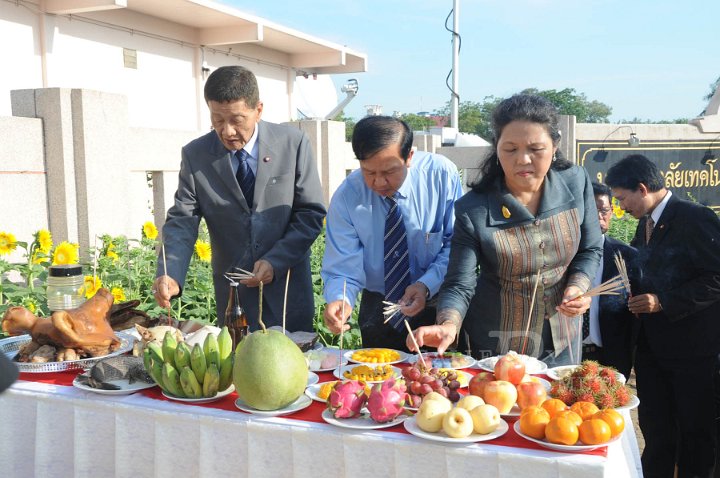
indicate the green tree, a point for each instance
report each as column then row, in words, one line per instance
column 713, row 87
column 569, row 102
column 349, row 124
column 417, row 122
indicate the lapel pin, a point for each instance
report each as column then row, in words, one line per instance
column 266, row 159
column 506, row 212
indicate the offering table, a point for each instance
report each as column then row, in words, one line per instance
column 48, row 430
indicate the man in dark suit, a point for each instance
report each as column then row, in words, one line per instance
column 257, row 186
column 678, row 301
column 610, row 325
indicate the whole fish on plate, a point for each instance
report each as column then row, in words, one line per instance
column 122, row 367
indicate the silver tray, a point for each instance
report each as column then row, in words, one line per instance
column 11, row 345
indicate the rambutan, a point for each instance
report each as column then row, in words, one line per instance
column 609, row 376
column 584, row 395
column 595, row 384
column 588, row 368
column 605, row 399
column 622, row 395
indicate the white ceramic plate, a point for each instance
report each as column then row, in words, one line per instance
column 218, row 396
column 558, row 373
column 313, row 378
column 348, row 356
column 544, row 383
column 363, row 422
column 336, row 373
column 514, row 412
column 126, row 387
column 532, row 365
column 633, row 403
column 322, row 352
column 412, row 427
column 303, row 401
column 557, row 447
column 313, row 390
column 462, row 361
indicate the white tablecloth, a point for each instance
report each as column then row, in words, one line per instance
column 58, row 431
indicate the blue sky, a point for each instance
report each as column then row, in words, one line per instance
column 651, row 59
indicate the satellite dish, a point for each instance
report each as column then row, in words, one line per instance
column 315, row 96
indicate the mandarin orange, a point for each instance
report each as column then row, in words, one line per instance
column 533, row 421
column 554, row 405
column 585, row 409
column 613, row 418
column 562, row 431
column 594, row 431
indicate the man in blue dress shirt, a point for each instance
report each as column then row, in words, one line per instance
column 424, row 186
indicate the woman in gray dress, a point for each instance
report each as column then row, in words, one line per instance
column 530, row 219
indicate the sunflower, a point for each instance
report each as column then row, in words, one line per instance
column 110, row 252
column 118, row 293
column 617, row 210
column 203, row 251
column 43, row 238
column 30, row 305
column 149, row 230
column 7, row 243
column 91, row 286
column 65, row 253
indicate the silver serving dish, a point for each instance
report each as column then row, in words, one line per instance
column 11, row 345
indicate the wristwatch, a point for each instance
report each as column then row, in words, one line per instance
column 427, row 289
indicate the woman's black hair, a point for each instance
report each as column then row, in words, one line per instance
column 532, row 108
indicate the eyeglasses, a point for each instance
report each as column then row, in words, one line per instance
column 604, row 211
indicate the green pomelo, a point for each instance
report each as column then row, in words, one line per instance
column 270, row 371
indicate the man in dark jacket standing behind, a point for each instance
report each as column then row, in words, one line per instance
column 678, row 300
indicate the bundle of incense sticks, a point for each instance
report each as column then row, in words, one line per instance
column 532, row 304
column 390, row 310
column 622, row 272
column 243, row 274
column 611, row 286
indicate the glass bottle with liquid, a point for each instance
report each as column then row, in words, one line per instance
column 65, row 289
column 235, row 317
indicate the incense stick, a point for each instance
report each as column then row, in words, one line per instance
column 390, row 310
column 611, row 286
column 287, row 284
column 342, row 324
column 417, row 347
column 532, row 306
column 260, row 303
column 622, row 269
column 167, row 288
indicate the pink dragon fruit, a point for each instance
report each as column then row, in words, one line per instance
column 347, row 399
column 386, row 400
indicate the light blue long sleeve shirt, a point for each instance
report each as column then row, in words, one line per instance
column 354, row 246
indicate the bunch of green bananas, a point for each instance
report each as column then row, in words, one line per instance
column 199, row 372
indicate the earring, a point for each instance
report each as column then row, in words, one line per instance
column 554, row 157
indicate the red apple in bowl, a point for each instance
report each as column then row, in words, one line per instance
column 500, row 394
column 478, row 382
column 530, row 393
column 510, row 368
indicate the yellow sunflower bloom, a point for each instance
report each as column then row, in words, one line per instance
column 65, row 253
column 7, row 243
column 44, row 240
column 31, row 307
column 91, row 286
column 203, row 251
column 110, row 252
column 150, row 231
column 118, row 293
column 617, row 210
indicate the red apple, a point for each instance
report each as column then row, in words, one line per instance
column 500, row 394
column 510, row 368
column 478, row 382
column 530, row 393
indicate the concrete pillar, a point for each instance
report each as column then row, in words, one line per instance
column 328, row 142
column 567, row 141
column 53, row 106
column 164, row 186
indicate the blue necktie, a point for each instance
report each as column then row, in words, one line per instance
column 397, row 262
column 245, row 176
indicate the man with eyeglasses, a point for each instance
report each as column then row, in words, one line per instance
column 609, row 329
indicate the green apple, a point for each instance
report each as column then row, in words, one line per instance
column 457, row 423
column 431, row 413
column 485, row 418
column 468, row 402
